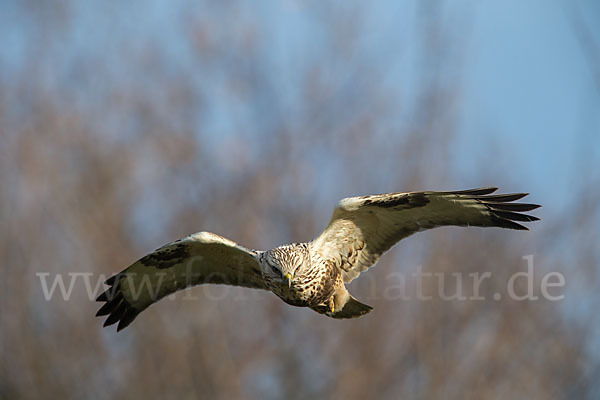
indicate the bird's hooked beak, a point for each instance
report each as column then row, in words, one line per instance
column 289, row 277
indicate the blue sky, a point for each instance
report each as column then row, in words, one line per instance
column 527, row 89
column 531, row 81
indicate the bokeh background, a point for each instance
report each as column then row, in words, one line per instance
column 126, row 125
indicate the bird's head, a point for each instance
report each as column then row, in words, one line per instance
column 283, row 263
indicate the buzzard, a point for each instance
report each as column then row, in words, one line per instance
column 310, row 274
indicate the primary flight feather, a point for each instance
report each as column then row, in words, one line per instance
column 310, row 274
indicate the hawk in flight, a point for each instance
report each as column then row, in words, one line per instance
column 310, row 274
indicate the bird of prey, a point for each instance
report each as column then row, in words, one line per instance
column 310, row 274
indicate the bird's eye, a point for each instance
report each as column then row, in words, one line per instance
column 275, row 269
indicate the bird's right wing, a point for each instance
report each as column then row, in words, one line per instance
column 199, row 258
column 363, row 228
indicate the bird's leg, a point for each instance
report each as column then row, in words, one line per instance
column 331, row 305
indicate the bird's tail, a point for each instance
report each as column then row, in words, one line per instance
column 351, row 309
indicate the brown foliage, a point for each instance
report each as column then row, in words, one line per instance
column 98, row 169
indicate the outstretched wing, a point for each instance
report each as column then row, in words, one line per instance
column 363, row 228
column 199, row 258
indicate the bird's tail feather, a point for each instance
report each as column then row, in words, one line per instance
column 351, row 309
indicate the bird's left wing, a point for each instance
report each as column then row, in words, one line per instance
column 199, row 258
column 363, row 228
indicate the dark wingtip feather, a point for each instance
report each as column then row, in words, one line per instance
column 521, row 207
column 502, row 198
column 110, row 306
column 103, row 297
column 116, row 307
column 504, row 212
column 116, row 315
column 477, row 192
column 513, row 216
column 104, row 310
column 127, row 318
column 505, row 223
